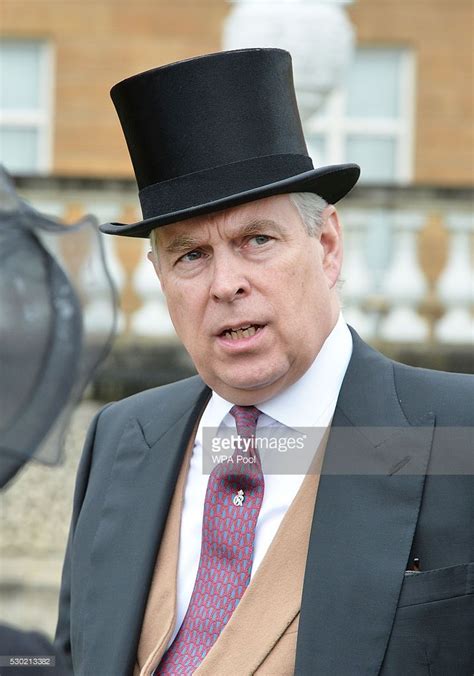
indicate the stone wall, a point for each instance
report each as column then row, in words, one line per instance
column 35, row 514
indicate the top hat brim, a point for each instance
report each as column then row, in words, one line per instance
column 332, row 183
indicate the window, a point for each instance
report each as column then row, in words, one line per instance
column 370, row 119
column 25, row 105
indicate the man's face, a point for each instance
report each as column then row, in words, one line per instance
column 251, row 294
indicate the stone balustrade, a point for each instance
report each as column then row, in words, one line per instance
column 407, row 274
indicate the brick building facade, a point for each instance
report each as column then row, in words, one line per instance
column 92, row 45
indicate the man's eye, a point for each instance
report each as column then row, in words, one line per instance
column 191, row 256
column 260, row 239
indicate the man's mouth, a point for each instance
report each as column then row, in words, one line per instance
column 246, row 331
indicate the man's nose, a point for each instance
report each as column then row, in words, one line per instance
column 228, row 279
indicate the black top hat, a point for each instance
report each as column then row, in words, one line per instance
column 217, row 131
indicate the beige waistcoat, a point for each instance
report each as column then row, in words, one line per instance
column 260, row 637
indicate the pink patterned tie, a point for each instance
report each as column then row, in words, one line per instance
column 233, row 499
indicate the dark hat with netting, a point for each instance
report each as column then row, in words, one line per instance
column 52, row 335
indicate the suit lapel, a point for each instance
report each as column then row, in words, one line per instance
column 144, row 474
column 363, row 524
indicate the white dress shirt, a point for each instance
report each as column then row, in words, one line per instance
column 309, row 402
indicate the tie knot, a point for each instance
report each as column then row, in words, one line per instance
column 245, row 419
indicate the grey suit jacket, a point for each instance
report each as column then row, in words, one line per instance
column 382, row 500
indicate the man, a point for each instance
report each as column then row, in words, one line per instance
column 359, row 568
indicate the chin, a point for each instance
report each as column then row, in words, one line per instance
column 241, row 382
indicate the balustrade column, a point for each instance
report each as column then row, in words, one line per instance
column 455, row 286
column 404, row 284
column 355, row 273
column 97, row 308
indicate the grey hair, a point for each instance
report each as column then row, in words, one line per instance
column 153, row 244
column 310, row 208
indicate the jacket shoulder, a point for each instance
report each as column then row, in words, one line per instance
column 448, row 395
column 170, row 401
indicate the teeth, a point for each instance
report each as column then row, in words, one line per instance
column 238, row 334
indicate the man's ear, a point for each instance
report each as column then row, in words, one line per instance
column 330, row 236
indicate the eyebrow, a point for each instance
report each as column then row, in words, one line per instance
column 182, row 243
column 259, row 225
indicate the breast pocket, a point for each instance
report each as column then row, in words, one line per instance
column 434, row 624
column 437, row 585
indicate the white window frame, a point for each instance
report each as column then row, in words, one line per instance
column 334, row 126
column 41, row 118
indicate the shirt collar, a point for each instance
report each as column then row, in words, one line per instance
column 310, row 400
